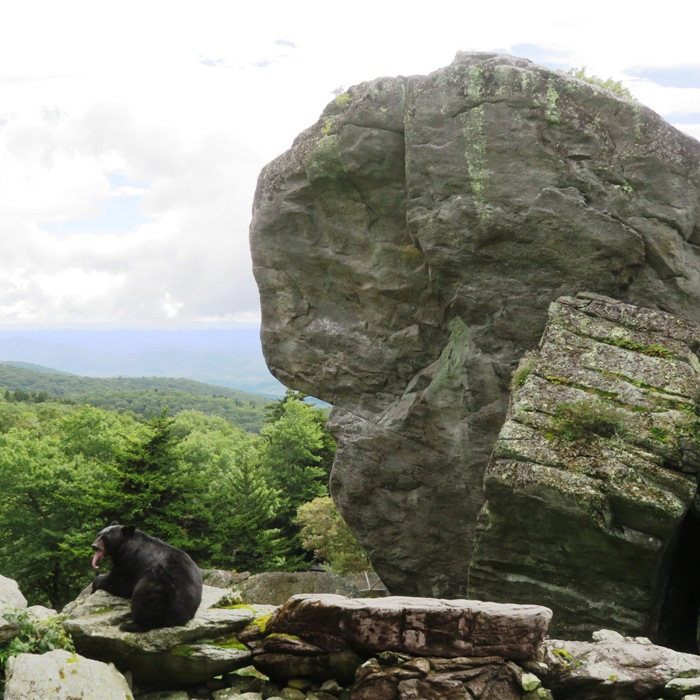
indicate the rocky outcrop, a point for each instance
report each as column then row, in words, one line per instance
column 389, row 649
column 407, row 248
column 592, row 478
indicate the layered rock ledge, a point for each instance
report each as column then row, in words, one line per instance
column 590, row 488
column 407, row 248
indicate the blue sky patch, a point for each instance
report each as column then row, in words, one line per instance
column 687, row 76
column 683, row 117
column 551, row 58
column 121, row 211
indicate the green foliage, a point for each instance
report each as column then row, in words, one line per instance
column 654, row 350
column 36, row 636
column 522, row 371
column 325, row 533
column 580, row 420
column 607, row 83
column 291, row 455
column 225, row 495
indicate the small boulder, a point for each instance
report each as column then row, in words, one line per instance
column 277, row 587
column 613, row 667
column 63, row 675
column 11, row 602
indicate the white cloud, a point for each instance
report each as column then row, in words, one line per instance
column 132, row 133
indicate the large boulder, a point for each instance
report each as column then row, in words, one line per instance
column 592, row 478
column 407, row 248
column 205, row 647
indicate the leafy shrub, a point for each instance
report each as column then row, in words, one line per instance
column 36, row 636
column 606, row 83
column 522, row 371
column 324, row 532
column 578, row 420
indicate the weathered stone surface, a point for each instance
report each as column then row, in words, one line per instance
column 275, row 588
column 406, row 249
column 64, row 676
column 404, row 678
column 682, row 687
column 614, row 667
column 203, row 648
column 11, row 602
column 218, row 578
column 416, row 626
column 589, row 524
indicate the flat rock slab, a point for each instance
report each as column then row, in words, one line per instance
column 416, row 626
column 203, row 648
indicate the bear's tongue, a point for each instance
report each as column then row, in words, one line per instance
column 98, row 555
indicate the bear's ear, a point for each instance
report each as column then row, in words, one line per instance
column 114, row 522
column 128, row 530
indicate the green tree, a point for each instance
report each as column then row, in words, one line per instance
column 325, row 533
column 242, row 505
column 48, row 516
column 290, row 457
column 246, row 538
column 156, row 495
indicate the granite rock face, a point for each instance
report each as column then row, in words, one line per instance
column 407, row 248
column 590, row 488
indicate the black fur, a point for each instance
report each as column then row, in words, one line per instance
column 164, row 584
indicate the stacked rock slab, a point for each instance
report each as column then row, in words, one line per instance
column 407, row 248
column 594, row 472
column 402, row 647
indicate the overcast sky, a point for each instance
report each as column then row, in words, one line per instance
column 132, row 133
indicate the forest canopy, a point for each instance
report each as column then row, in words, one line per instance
column 227, row 496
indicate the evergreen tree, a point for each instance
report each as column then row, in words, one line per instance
column 154, row 493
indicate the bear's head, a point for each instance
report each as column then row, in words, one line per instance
column 109, row 540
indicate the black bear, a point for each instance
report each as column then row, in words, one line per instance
column 164, row 584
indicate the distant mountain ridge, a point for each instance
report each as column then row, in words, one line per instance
column 35, row 368
column 145, row 396
column 225, row 357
